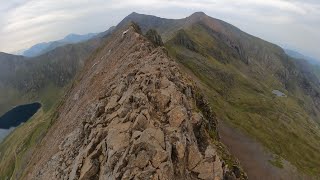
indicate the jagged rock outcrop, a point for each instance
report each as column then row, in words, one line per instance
column 183, row 40
column 154, row 37
column 132, row 115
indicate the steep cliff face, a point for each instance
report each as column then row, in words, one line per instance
column 131, row 115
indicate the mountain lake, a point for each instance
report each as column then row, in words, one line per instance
column 16, row 116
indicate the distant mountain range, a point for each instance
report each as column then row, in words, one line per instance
column 297, row 55
column 23, row 79
column 309, row 64
column 44, row 47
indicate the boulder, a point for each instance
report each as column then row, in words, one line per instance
column 140, row 123
column 142, row 159
column 113, row 102
column 177, row 116
column 204, row 170
column 163, row 99
column 194, row 157
column 89, row 169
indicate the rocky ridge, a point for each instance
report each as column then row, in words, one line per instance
column 142, row 120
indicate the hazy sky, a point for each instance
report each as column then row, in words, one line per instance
column 293, row 23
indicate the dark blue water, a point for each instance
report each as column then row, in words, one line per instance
column 18, row 115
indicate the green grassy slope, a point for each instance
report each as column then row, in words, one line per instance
column 17, row 148
column 242, row 95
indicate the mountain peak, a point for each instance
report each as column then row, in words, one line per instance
column 133, row 13
column 198, row 14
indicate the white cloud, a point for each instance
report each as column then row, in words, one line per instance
column 26, row 22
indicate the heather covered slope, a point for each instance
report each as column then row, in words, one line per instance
column 238, row 73
column 132, row 114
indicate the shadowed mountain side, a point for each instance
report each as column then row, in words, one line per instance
column 40, row 78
